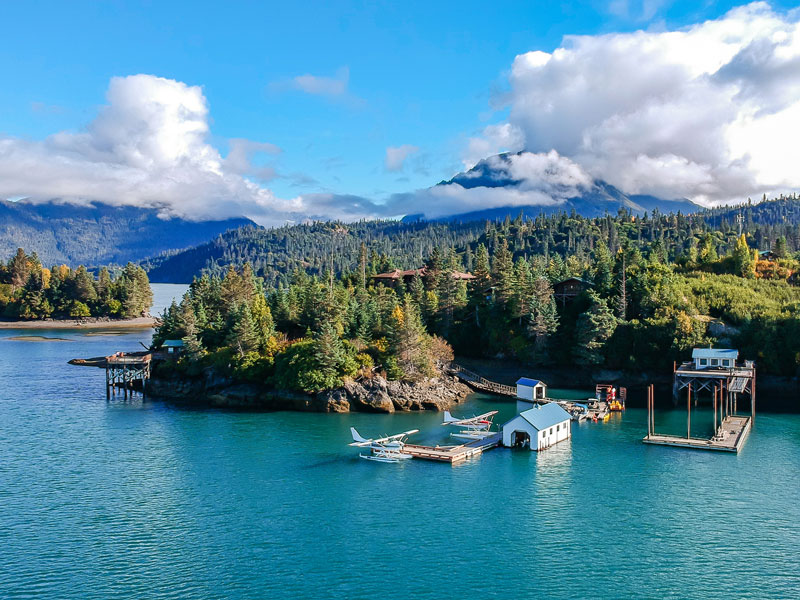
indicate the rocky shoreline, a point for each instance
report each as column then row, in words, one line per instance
column 374, row 395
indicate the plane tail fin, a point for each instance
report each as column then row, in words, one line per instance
column 356, row 436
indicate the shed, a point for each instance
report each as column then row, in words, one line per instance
column 531, row 389
column 714, row 358
column 539, row 427
column 173, row 346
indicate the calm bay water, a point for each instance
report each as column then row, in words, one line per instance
column 141, row 499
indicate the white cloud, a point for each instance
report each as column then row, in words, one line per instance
column 147, row 147
column 323, row 86
column 240, row 158
column 696, row 112
column 494, row 139
column 396, row 156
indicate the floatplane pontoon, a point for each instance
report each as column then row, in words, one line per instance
column 473, row 428
column 387, row 449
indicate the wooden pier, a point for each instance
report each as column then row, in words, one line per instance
column 482, row 384
column 127, row 370
column 729, row 435
column 453, row 454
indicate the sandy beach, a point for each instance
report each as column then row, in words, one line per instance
column 138, row 323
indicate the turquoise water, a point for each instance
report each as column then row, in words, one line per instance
column 141, row 499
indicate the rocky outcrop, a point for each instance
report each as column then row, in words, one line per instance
column 376, row 395
column 379, row 395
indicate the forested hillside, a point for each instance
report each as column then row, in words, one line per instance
column 30, row 291
column 98, row 234
column 650, row 289
column 275, row 253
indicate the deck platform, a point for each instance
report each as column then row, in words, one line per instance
column 453, row 454
column 734, row 430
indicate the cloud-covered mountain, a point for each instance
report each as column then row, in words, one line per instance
column 701, row 112
column 534, row 184
column 98, row 234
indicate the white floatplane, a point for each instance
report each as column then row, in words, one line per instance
column 473, row 428
column 386, row 449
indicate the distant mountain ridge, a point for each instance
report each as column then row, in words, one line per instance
column 602, row 198
column 99, row 234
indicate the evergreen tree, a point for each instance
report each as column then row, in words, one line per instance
column 242, row 334
column 19, row 269
column 593, row 330
column 503, row 272
column 329, row 354
column 482, row 272
column 780, row 249
column 409, row 342
column 543, row 316
column 743, row 259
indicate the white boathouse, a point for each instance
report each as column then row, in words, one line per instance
column 714, row 358
column 539, row 427
column 531, row 389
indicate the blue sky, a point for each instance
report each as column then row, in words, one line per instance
column 427, row 76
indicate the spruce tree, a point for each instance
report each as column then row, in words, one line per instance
column 593, row 330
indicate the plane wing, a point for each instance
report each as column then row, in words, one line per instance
column 358, row 440
column 450, row 420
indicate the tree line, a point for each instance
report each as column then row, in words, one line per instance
column 29, row 291
column 652, row 289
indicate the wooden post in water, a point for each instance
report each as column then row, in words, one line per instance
column 652, row 391
column 689, row 413
column 649, row 413
column 715, row 410
column 753, row 397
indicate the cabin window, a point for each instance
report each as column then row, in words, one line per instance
column 703, row 362
column 725, row 362
column 551, row 431
column 714, row 362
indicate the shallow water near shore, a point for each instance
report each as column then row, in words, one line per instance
column 142, row 499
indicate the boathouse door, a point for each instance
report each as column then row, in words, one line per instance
column 521, row 439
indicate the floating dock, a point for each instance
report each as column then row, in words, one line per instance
column 453, row 454
column 732, row 434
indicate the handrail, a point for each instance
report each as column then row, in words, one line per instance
column 481, row 382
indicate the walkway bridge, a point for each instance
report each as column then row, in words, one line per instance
column 482, row 384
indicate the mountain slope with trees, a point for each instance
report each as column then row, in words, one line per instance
column 99, row 234
column 654, row 287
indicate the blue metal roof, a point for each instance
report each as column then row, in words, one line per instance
column 529, row 382
column 546, row 415
column 172, row 343
column 715, row 353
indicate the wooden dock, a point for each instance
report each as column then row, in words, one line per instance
column 482, row 384
column 453, row 454
column 127, row 371
column 730, row 438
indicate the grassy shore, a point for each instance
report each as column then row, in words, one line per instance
column 137, row 323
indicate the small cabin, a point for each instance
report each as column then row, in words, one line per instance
column 570, row 288
column 767, row 255
column 714, row 358
column 173, row 346
column 531, row 389
column 394, row 278
column 538, row 428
